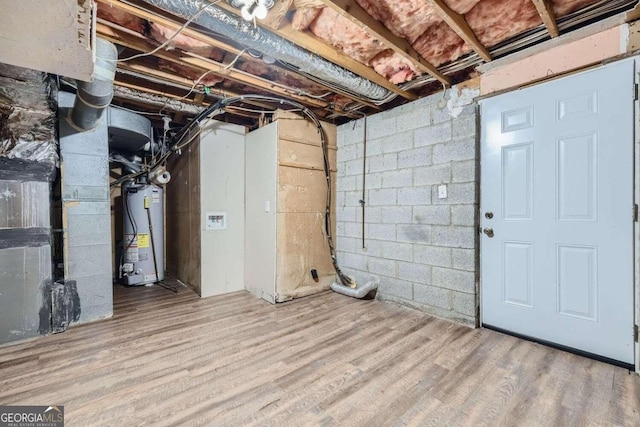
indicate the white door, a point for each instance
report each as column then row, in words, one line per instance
column 557, row 175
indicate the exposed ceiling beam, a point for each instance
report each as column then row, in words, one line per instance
column 204, row 64
column 545, row 10
column 320, row 48
column 169, row 23
column 460, row 26
column 277, row 14
column 150, row 97
column 159, row 102
column 162, row 78
column 301, row 4
column 351, row 10
column 145, row 89
column 153, row 75
column 174, row 25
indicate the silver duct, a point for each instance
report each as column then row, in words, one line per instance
column 359, row 292
column 130, row 166
column 243, row 32
column 94, row 97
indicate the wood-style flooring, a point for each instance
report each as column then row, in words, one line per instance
column 175, row 359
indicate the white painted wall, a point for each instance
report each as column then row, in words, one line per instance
column 222, row 190
column 261, row 197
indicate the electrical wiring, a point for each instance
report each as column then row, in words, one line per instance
column 177, row 142
column 309, row 95
column 334, row 87
column 170, row 39
column 206, row 73
column 137, row 112
column 192, row 138
column 133, row 225
column 250, row 110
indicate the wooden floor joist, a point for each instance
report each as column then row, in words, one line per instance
column 175, row 359
column 458, row 24
column 112, row 33
column 545, row 10
column 322, row 49
column 175, row 25
column 351, row 10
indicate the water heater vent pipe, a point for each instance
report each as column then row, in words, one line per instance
column 92, row 98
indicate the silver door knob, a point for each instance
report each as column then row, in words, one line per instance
column 488, row 231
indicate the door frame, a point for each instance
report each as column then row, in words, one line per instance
column 636, row 201
column 636, row 192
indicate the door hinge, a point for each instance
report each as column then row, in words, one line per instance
column 635, row 333
column 635, row 213
column 636, row 91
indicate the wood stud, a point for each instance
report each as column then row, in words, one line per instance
column 548, row 16
column 351, row 10
column 461, row 27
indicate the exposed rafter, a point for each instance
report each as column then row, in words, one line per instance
column 300, row 4
column 169, row 23
column 351, row 10
column 159, row 102
column 460, row 26
column 548, row 16
column 175, row 25
column 115, row 35
column 182, row 84
column 320, row 48
column 277, row 14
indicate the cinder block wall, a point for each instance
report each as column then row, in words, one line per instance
column 421, row 248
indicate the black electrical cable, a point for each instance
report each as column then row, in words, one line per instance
column 217, row 108
column 133, row 225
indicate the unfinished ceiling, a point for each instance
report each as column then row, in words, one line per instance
column 340, row 58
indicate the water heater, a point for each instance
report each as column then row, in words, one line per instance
column 143, row 239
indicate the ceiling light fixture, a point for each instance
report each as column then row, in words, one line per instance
column 252, row 9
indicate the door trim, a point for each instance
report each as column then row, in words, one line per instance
column 636, row 198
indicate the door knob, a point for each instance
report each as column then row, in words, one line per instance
column 488, row 231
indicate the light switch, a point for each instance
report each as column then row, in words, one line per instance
column 267, row 206
column 442, row 191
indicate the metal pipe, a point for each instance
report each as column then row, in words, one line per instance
column 147, row 207
column 129, row 165
column 363, row 201
column 253, row 37
column 92, row 98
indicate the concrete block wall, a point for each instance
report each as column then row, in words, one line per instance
column 420, row 247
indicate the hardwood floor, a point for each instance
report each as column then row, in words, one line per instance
column 175, row 359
